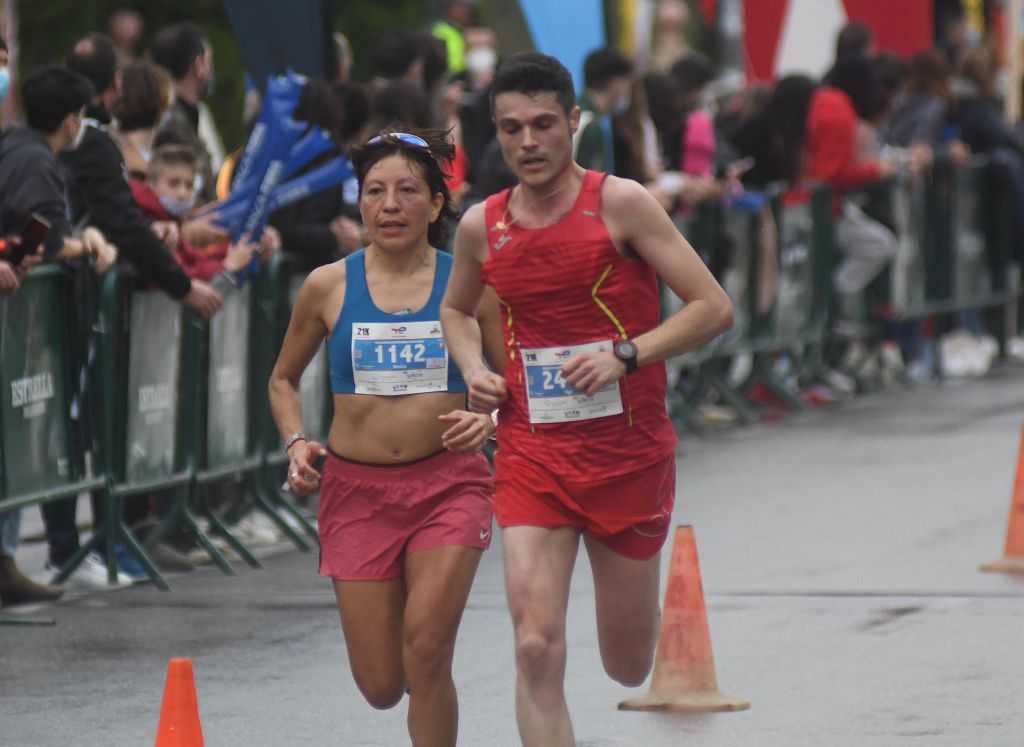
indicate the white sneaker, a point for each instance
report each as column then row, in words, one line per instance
column 91, row 573
column 1015, row 348
column 256, row 530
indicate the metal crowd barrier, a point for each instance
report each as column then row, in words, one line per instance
column 40, row 456
column 178, row 404
column 954, row 227
column 796, row 317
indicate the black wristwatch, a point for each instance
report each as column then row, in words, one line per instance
column 626, row 352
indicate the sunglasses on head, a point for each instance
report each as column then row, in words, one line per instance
column 403, row 137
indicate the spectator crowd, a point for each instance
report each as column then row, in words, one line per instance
column 119, row 155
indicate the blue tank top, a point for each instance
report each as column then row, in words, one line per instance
column 373, row 352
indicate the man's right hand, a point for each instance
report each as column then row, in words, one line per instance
column 487, row 391
column 203, row 299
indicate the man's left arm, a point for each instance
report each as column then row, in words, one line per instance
column 637, row 222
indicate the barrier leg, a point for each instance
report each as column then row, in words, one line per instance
column 224, row 531
column 201, row 536
column 763, row 373
column 261, row 498
column 720, row 381
column 288, row 504
column 129, row 540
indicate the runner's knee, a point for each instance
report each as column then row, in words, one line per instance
column 630, row 671
column 427, row 651
column 539, row 655
column 380, row 693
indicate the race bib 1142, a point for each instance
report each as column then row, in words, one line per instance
column 399, row 358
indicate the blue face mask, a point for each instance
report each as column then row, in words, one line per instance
column 177, row 208
column 621, row 104
column 5, row 82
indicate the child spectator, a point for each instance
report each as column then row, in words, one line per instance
column 168, row 194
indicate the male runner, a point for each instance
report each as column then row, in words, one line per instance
column 585, row 445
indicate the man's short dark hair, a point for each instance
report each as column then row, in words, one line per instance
column 50, row 93
column 853, row 39
column 94, row 57
column 176, row 48
column 604, row 65
column 692, row 72
column 533, row 72
column 172, row 155
column 395, row 52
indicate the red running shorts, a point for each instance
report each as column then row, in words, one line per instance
column 370, row 516
column 630, row 514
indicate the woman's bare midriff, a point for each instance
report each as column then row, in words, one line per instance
column 390, row 430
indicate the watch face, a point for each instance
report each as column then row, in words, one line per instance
column 625, row 349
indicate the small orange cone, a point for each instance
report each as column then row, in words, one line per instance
column 179, row 716
column 684, row 668
column 1013, row 556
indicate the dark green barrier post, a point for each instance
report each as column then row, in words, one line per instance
column 275, row 289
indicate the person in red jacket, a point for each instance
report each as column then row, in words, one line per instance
column 851, row 98
column 168, row 195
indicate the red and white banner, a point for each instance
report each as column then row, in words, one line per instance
column 799, row 36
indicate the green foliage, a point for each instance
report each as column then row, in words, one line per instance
column 363, row 22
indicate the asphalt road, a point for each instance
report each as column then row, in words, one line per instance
column 839, row 550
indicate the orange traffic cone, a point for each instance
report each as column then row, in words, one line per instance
column 684, row 668
column 179, row 716
column 1013, row 556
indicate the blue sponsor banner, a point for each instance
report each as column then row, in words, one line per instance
column 567, row 29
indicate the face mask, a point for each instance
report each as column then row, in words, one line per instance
column 208, row 86
column 78, row 136
column 621, row 104
column 177, row 208
column 481, row 60
column 5, row 82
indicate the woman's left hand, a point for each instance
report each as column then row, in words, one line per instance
column 468, row 431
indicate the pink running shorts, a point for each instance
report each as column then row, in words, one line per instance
column 371, row 515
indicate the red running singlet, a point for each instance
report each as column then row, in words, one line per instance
column 566, row 285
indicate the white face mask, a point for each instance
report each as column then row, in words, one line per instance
column 481, row 60
column 178, row 208
column 78, row 136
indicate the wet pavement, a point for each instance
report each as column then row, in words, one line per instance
column 839, row 551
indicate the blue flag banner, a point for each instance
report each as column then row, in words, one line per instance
column 567, row 29
column 281, row 97
column 331, row 174
column 315, row 143
column 281, row 136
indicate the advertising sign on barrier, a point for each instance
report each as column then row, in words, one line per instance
column 34, row 411
column 970, row 271
column 908, row 269
column 153, row 371
column 313, row 387
column 227, row 419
